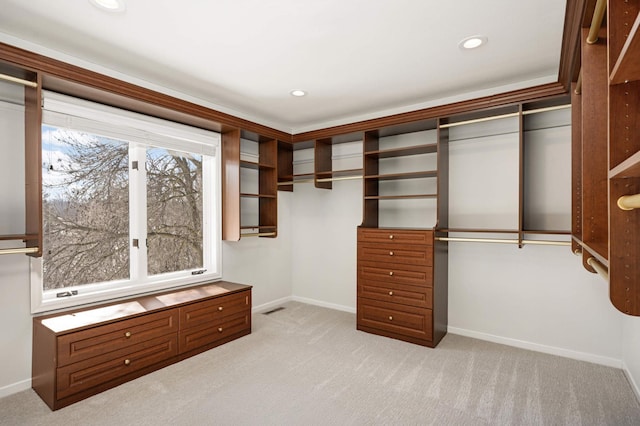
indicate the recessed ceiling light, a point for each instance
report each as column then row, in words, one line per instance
column 472, row 42
column 109, row 5
column 298, row 93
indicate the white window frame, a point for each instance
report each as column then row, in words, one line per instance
column 140, row 131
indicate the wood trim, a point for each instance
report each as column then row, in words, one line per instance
column 570, row 54
column 33, row 165
column 487, row 102
column 63, row 72
column 231, row 185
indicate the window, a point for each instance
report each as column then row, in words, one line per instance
column 131, row 204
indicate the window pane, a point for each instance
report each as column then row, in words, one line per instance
column 174, row 211
column 85, row 185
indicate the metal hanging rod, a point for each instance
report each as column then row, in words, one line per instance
column 19, row 250
column 596, row 21
column 504, row 241
column 479, row 120
column 477, row 240
column 12, row 79
column 338, row 178
column 498, row 117
column 259, row 234
column 597, row 266
column 547, row 109
column 547, row 242
column 629, row 202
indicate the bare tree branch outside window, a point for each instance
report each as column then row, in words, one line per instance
column 86, row 209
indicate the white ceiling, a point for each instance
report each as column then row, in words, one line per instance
column 357, row 59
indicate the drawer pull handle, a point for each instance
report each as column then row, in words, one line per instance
column 390, row 318
column 127, row 361
column 391, row 273
column 390, row 253
column 390, row 293
column 127, row 334
column 391, row 237
column 220, row 308
column 219, row 329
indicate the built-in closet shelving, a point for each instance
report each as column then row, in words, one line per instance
column 388, row 161
column 324, row 172
column 250, row 183
column 528, row 223
column 606, row 209
column 29, row 242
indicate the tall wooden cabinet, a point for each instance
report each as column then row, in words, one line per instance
column 402, row 286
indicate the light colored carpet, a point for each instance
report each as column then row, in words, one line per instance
column 306, row 365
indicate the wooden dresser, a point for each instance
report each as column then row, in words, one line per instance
column 396, row 293
column 79, row 353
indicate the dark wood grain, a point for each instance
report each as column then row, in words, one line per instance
column 231, row 185
column 82, row 352
column 576, row 168
column 595, row 78
column 33, row 165
column 322, row 152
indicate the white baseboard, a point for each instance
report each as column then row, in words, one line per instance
column 270, row 305
column 324, row 304
column 632, row 382
column 552, row 350
column 15, row 388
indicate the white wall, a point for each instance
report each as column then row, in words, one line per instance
column 538, row 297
column 264, row 263
column 15, row 317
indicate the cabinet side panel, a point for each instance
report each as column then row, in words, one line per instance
column 33, row 165
column 595, row 78
column 43, row 363
column 231, row 185
column 576, row 167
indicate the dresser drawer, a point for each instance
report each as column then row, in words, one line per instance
column 103, row 368
column 396, row 293
column 393, row 236
column 396, row 253
column 393, row 273
column 99, row 340
column 405, row 320
column 208, row 312
column 206, row 334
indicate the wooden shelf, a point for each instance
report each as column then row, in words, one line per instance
column 546, row 232
column 339, row 173
column 627, row 169
column 245, row 195
column 627, row 66
column 402, row 152
column 255, row 166
column 19, row 237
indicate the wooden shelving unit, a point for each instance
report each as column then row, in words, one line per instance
column 32, row 237
column 375, row 152
column 624, row 152
column 607, row 154
column 264, row 223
